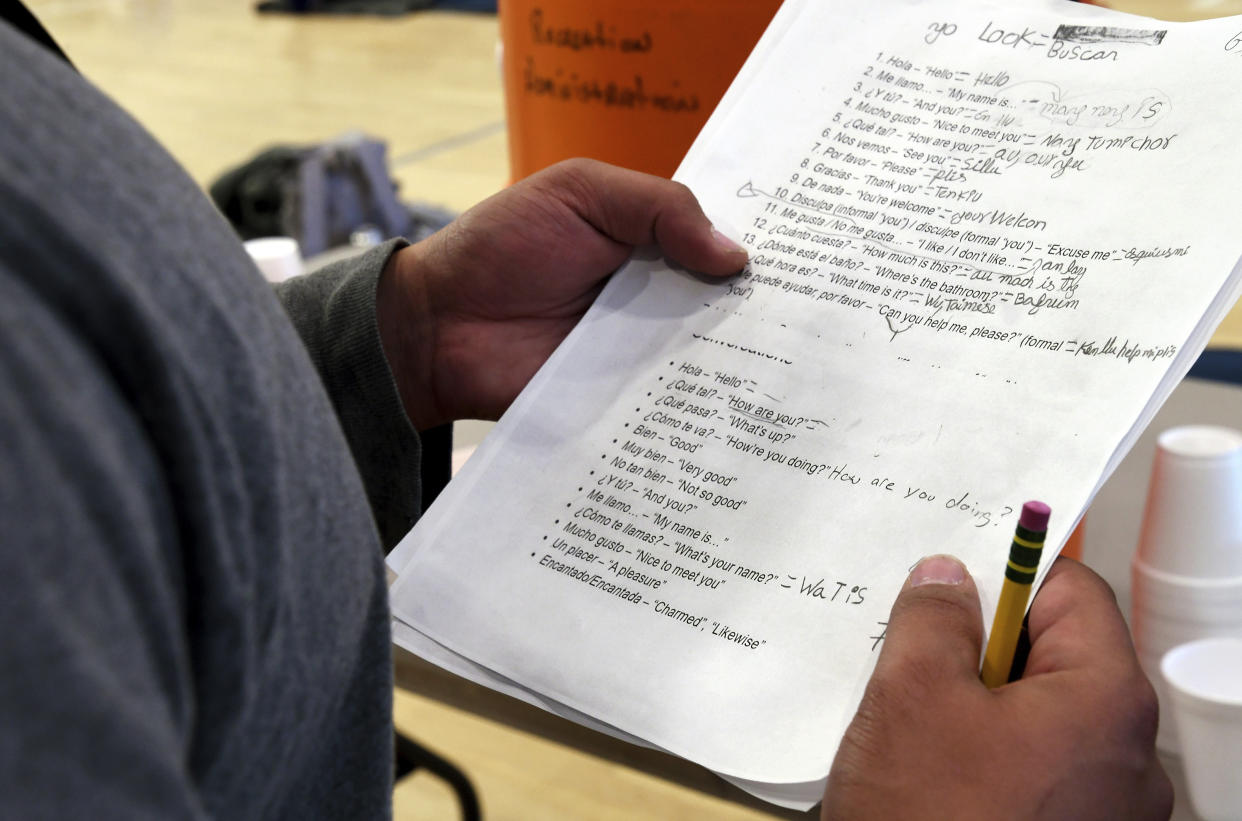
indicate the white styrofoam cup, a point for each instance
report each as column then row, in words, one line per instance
column 278, row 258
column 1204, row 683
column 1192, row 524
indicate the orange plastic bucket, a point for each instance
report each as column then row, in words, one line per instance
column 1074, row 544
column 630, row 82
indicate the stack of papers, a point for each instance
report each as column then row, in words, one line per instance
column 986, row 240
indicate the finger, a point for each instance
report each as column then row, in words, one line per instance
column 1156, row 796
column 640, row 209
column 1081, row 651
column 1075, row 623
column 935, row 630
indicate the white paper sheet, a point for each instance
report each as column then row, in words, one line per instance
column 801, row 796
column 986, row 240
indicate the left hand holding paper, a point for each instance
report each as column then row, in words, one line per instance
column 468, row 315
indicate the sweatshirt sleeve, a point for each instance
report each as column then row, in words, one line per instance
column 333, row 310
column 95, row 701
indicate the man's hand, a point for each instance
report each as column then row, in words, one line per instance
column 467, row 316
column 1074, row 738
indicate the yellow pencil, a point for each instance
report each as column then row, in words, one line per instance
column 1028, row 542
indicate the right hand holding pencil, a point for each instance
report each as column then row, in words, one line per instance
column 1074, row 738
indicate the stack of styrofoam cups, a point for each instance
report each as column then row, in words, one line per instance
column 1203, row 680
column 1186, row 576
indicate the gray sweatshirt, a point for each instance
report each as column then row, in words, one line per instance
column 193, row 617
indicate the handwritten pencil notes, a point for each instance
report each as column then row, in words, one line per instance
column 986, row 241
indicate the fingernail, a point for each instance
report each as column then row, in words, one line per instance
column 938, row 570
column 726, row 243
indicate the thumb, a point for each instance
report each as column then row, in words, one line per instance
column 918, row 729
column 935, row 630
column 640, row 209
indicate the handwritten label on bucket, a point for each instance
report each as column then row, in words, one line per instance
column 629, row 83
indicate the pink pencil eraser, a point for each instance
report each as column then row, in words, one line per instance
column 1035, row 516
